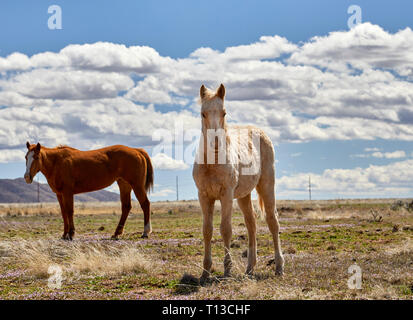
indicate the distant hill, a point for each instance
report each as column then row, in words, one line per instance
column 18, row 191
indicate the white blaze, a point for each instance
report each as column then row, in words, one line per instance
column 29, row 163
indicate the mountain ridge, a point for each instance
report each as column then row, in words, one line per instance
column 18, row 191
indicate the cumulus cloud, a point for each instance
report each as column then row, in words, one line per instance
column 389, row 155
column 354, row 84
column 87, row 124
column 375, row 153
column 162, row 161
column 102, row 56
column 365, row 46
column 11, row 155
column 393, row 180
column 162, row 193
column 268, row 47
column 67, row 85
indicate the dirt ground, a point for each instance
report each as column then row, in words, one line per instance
column 320, row 241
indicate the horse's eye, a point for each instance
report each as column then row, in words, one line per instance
column 224, row 114
column 203, row 115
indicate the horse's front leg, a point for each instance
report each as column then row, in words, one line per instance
column 64, row 216
column 68, row 205
column 207, row 207
column 226, row 228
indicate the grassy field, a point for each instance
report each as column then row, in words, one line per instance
column 320, row 241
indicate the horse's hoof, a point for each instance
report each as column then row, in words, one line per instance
column 227, row 275
column 144, row 236
column 205, row 277
column 279, row 271
column 114, row 237
column 203, row 280
column 249, row 273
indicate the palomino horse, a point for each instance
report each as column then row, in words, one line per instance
column 70, row 171
column 228, row 179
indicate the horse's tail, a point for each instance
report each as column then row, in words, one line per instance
column 149, row 171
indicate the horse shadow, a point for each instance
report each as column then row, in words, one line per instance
column 190, row 284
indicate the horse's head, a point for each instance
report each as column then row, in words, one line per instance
column 213, row 110
column 32, row 161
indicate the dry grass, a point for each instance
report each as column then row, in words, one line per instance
column 97, row 258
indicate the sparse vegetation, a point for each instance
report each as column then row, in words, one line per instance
column 376, row 216
column 320, row 240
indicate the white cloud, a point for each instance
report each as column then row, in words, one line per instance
column 378, row 154
column 390, row 155
column 162, row 193
column 104, row 93
column 11, row 155
column 163, row 162
column 269, row 47
column 15, row 61
column 365, row 46
column 393, row 180
column 87, row 124
column 102, row 56
column 67, row 84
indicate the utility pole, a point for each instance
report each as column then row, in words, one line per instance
column 177, row 193
column 38, row 189
column 309, row 186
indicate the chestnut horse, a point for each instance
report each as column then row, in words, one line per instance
column 70, row 171
column 246, row 163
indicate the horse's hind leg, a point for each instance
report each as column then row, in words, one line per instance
column 140, row 194
column 265, row 189
column 125, row 199
column 249, row 217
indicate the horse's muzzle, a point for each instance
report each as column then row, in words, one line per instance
column 28, row 178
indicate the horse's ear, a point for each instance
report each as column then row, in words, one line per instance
column 202, row 91
column 28, row 144
column 38, row 146
column 221, row 92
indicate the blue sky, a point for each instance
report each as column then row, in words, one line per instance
column 177, row 29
